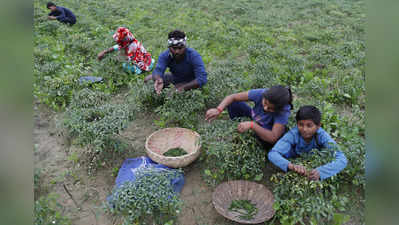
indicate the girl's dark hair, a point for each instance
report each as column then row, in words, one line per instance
column 279, row 96
column 50, row 4
column 309, row 112
column 176, row 34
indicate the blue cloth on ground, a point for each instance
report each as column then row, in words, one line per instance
column 89, row 79
column 128, row 170
column 130, row 167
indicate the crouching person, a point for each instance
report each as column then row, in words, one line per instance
column 269, row 115
column 137, row 57
column 61, row 14
column 307, row 135
column 187, row 70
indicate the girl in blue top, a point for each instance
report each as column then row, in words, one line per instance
column 269, row 115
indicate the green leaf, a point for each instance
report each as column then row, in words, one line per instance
column 276, row 206
column 259, row 177
column 313, row 221
column 347, row 95
column 308, row 76
column 339, row 218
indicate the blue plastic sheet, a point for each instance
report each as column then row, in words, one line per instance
column 130, row 167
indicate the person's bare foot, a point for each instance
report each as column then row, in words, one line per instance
column 147, row 78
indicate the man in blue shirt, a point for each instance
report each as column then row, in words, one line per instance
column 185, row 64
column 307, row 135
column 61, row 14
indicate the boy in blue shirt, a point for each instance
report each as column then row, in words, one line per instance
column 61, row 14
column 307, row 135
column 185, row 64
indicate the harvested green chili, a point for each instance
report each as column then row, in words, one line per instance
column 174, row 152
column 244, row 208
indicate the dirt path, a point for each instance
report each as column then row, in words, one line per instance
column 80, row 195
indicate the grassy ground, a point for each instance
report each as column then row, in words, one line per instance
column 315, row 46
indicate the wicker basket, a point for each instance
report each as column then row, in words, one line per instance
column 161, row 141
column 258, row 194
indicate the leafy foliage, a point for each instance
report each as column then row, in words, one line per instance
column 149, row 197
column 48, row 211
column 299, row 200
column 227, row 78
column 62, row 54
column 87, row 98
column 94, row 123
column 181, row 109
column 230, row 155
column 143, row 98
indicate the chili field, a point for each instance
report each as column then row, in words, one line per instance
column 84, row 131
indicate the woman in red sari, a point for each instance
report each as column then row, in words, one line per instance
column 138, row 59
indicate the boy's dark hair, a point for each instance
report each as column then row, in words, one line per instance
column 176, row 34
column 279, row 96
column 309, row 112
column 50, row 4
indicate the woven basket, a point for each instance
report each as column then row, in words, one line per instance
column 258, row 194
column 161, row 141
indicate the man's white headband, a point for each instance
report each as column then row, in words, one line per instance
column 177, row 42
